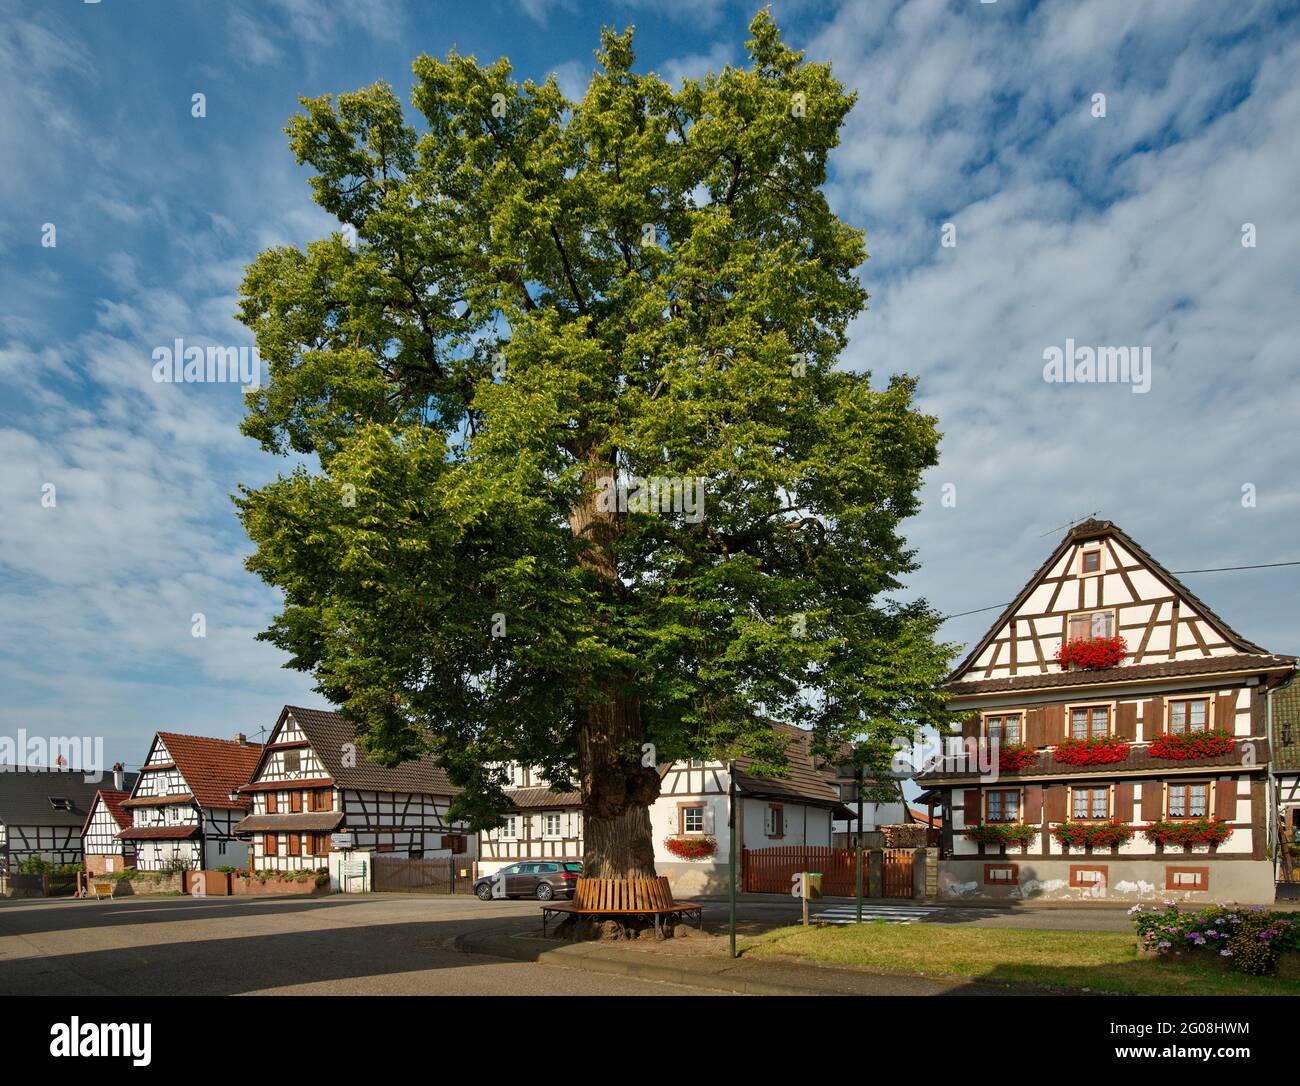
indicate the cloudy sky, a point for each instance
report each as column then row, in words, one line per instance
column 1115, row 222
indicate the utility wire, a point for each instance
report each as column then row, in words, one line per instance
column 1175, row 572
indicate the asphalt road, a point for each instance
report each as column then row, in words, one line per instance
column 375, row 944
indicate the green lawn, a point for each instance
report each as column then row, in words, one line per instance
column 1099, row 960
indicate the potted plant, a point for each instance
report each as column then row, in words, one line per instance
column 691, row 846
column 1104, row 834
column 1091, row 653
column 1008, row 834
column 1013, row 757
column 1188, row 832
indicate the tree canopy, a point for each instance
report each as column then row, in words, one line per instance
column 528, row 298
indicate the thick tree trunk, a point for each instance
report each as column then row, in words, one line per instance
column 617, row 789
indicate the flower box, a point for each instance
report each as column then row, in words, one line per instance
column 1107, row 834
column 1013, row 757
column 691, row 847
column 1100, row 750
column 1187, row 832
column 1092, row 653
column 1011, row 834
column 1188, row 745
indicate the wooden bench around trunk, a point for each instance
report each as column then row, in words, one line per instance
column 624, row 897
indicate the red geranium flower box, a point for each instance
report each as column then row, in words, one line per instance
column 1104, row 834
column 691, row 847
column 1013, row 757
column 1188, row 831
column 1100, row 750
column 1092, row 653
column 1186, row 745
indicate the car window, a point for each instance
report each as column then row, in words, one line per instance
column 513, row 869
column 549, row 868
column 573, row 867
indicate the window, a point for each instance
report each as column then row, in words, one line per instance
column 271, row 844
column 322, row 844
column 774, row 820
column 551, row 825
column 510, row 828
column 1091, row 802
column 1090, row 561
column 272, row 803
column 1092, row 624
column 1192, row 715
column 1085, row 877
column 1002, row 805
column 692, row 820
column 295, row 802
column 292, row 761
column 320, row 799
column 1189, row 800
column 295, row 845
column 1005, row 727
column 1187, row 878
column 1089, row 721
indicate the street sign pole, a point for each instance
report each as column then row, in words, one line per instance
column 731, row 848
column 858, row 776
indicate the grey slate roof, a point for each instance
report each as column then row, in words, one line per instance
column 25, row 795
column 330, row 733
column 1286, row 725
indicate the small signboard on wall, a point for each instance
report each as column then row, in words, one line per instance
column 341, row 842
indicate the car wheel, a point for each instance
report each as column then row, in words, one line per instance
column 545, row 891
column 484, row 891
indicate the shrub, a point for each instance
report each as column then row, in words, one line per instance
column 1250, row 940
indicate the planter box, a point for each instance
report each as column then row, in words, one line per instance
column 278, row 886
column 148, row 885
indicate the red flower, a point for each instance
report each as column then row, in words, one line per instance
column 1185, row 745
column 1100, row 750
column 1105, row 834
column 1189, row 831
column 1092, row 653
column 1013, row 757
column 692, row 847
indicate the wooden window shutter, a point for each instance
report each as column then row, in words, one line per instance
column 1124, row 798
column 1053, row 724
column 1033, row 811
column 271, row 844
column 1126, row 720
column 1225, row 712
column 1225, row 799
column 970, row 727
column 295, row 801
column 1153, row 800
column 1153, row 719
column 294, row 845
column 272, row 803
column 1054, row 799
column 1036, row 727
column 971, row 806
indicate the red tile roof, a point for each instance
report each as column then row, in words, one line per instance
column 213, row 768
column 158, row 833
column 113, row 803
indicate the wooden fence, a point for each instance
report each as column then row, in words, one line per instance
column 770, row 870
column 435, row 875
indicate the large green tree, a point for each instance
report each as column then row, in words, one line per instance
column 531, row 297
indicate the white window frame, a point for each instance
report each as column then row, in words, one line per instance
column 556, row 833
column 1210, row 722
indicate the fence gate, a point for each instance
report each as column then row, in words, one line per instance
column 435, row 875
column 896, row 868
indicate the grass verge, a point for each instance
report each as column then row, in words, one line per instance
column 1097, row 960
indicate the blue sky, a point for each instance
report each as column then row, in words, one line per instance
column 1117, row 230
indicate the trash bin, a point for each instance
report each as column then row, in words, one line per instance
column 813, row 882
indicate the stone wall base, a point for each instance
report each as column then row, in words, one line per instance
column 1247, row 882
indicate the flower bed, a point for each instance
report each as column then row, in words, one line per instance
column 1186, row 745
column 1250, row 940
column 1003, row 833
column 1100, row 750
column 692, row 847
column 1013, row 757
column 280, row 882
column 1188, row 831
column 1092, row 653
column 1105, row 834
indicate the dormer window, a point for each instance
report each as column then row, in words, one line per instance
column 60, row 803
column 1089, row 561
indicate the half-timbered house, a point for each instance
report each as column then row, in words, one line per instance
column 105, row 850
column 313, row 781
column 184, row 805
column 1284, row 714
column 543, row 824
column 42, row 814
column 1052, row 758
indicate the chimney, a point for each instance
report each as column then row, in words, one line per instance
column 241, row 739
column 119, row 778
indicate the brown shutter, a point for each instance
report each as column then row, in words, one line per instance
column 1153, row 801
column 1054, row 723
column 1126, row 720
column 1124, row 796
column 1035, row 728
column 295, row 801
column 1153, row 718
column 1033, row 809
column 1054, row 803
column 971, row 806
column 970, row 727
column 1225, row 712
column 270, row 844
column 1225, row 799
column 272, row 803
